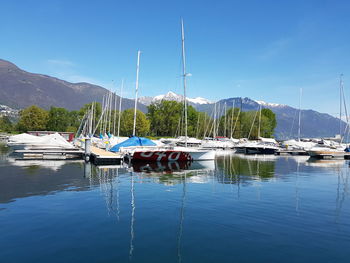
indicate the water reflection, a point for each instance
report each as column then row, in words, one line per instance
column 171, row 208
column 171, row 167
column 342, row 190
column 328, row 164
column 235, row 168
column 4, row 151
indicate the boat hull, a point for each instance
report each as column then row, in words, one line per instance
column 173, row 155
column 327, row 154
column 259, row 150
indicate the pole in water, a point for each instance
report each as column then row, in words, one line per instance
column 87, row 149
column 136, row 90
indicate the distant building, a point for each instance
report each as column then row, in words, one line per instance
column 7, row 111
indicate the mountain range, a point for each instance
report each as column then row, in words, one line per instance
column 313, row 123
column 20, row 89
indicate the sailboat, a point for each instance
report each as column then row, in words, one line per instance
column 262, row 145
column 169, row 153
column 329, row 148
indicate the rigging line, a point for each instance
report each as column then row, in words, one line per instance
column 291, row 129
column 251, row 128
column 234, row 127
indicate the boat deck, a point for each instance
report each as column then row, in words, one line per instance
column 100, row 156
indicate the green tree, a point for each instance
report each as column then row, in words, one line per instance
column 242, row 123
column 74, row 120
column 127, row 123
column 87, row 107
column 268, row 123
column 5, row 124
column 204, row 122
column 58, row 119
column 33, row 118
column 167, row 119
column 192, row 121
column 164, row 117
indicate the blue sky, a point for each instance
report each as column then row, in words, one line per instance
column 266, row 50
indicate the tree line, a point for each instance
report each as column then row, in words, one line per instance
column 164, row 118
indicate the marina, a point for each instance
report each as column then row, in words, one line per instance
column 136, row 148
column 183, row 131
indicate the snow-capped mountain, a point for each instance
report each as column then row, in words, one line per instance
column 171, row 96
column 326, row 124
column 199, row 100
column 268, row 104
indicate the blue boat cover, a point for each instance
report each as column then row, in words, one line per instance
column 133, row 141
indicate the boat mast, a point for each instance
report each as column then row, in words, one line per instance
column 225, row 120
column 103, row 103
column 115, row 112
column 120, row 106
column 136, row 90
column 110, row 111
column 232, row 114
column 259, row 122
column 214, row 124
column 184, row 74
column 340, row 104
column 91, row 120
column 301, row 92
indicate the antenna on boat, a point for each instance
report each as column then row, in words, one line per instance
column 184, row 74
column 136, row 90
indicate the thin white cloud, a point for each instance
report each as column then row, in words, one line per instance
column 275, row 48
column 59, row 62
column 68, row 71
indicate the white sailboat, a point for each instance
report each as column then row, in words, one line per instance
column 170, row 153
column 330, row 148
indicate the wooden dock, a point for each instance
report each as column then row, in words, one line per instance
column 98, row 156
column 102, row 157
column 51, row 154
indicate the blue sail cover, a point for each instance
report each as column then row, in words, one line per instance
column 133, row 141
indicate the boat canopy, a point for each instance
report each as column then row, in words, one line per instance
column 267, row 140
column 133, row 141
column 52, row 140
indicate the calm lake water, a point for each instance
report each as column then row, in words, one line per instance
column 233, row 209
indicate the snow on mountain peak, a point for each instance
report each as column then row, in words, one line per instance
column 199, row 100
column 263, row 103
column 173, row 97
